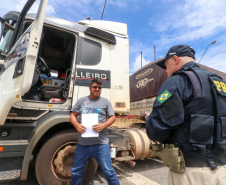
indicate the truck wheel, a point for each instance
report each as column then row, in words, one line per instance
column 55, row 159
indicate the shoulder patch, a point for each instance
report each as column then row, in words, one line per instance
column 164, row 96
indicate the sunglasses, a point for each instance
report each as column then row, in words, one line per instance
column 95, row 87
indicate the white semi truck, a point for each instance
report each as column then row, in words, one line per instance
column 47, row 65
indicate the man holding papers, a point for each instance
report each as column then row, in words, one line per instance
column 91, row 115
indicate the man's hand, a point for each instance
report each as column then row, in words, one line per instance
column 98, row 127
column 147, row 114
column 101, row 126
column 80, row 128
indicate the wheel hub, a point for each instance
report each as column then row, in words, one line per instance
column 64, row 161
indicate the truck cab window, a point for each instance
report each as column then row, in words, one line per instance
column 4, row 39
column 6, row 35
column 91, row 52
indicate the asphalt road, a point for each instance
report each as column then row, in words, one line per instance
column 146, row 172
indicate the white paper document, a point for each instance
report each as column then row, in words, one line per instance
column 88, row 120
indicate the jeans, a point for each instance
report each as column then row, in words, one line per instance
column 102, row 155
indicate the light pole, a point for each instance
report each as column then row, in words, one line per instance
column 207, row 48
column 141, row 57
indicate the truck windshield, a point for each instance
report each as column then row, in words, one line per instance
column 6, row 35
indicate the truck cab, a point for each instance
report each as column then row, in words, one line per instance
column 69, row 56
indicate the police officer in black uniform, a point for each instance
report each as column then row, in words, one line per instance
column 183, row 115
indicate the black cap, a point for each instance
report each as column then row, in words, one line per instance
column 178, row 50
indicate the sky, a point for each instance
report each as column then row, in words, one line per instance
column 159, row 23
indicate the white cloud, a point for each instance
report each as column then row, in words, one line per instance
column 193, row 22
column 137, row 64
column 191, row 19
column 50, row 10
column 78, row 10
column 128, row 4
column 15, row 5
column 71, row 9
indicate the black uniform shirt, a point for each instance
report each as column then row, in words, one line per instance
column 168, row 108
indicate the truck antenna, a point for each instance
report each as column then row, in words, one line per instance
column 103, row 9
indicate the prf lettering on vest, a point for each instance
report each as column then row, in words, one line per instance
column 220, row 85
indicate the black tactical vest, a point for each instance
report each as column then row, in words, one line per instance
column 219, row 93
column 204, row 129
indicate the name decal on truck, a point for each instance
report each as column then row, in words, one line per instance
column 85, row 76
column 88, row 75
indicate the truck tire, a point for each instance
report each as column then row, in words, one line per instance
column 55, row 159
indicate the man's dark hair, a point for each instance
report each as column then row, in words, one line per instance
column 96, row 81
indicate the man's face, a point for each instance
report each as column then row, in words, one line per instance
column 170, row 66
column 95, row 90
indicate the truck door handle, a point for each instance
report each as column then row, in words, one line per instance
column 19, row 68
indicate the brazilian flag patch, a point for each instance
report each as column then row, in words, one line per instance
column 164, row 96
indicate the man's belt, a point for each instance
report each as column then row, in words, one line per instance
column 198, row 162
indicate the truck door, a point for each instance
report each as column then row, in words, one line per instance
column 16, row 76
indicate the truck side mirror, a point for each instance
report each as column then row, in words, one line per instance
column 2, row 27
column 2, row 56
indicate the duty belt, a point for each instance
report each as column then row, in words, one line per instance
column 197, row 162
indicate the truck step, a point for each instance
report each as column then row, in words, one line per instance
column 9, row 175
column 126, row 158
